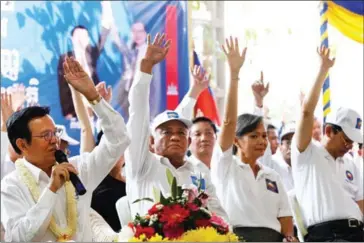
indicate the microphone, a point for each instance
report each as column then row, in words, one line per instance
column 62, row 158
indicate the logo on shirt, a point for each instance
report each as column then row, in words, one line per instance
column 271, row 185
column 196, row 181
column 172, row 114
column 358, row 123
column 349, row 175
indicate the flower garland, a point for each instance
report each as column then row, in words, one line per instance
column 62, row 234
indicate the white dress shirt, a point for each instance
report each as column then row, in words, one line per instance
column 248, row 200
column 26, row 220
column 326, row 189
column 145, row 170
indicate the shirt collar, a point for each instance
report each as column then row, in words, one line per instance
column 36, row 172
column 196, row 162
column 188, row 164
column 263, row 169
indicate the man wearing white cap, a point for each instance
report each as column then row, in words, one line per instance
column 327, row 183
column 66, row 140
column 146, row 171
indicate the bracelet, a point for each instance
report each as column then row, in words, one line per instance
column 235, row 78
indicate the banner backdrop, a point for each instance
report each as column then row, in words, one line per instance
column 108, row 38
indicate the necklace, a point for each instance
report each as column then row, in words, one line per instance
column 62, row 234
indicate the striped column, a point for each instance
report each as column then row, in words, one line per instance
column 325, row 42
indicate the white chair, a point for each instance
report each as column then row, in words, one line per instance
column 297, row 216
column 123, row 209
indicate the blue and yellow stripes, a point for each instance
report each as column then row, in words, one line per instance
column 325, row 42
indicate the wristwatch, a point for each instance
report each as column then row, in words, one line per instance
column 95, row 101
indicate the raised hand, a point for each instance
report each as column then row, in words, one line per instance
column 201, row 81
column 6, row 109
column 106, row 93
column 235, row 58
column 79, row 79
column 324, row 53
column 260, row 90
column 157, row 50
column 18, row 96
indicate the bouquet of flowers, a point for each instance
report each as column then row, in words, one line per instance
column 182, row 217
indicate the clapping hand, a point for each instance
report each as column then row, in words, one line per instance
column 79, row 79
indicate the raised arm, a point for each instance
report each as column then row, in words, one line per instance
column 305, row 124
column 201, row 81
column 236, row 61
column 87, row 143
column 6, row 111
column 94, row 166
column 138, row 124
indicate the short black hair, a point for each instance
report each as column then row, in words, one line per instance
column 246, row 123
column 18, row 124
column 98, row 138
column 78, row 27
column 270, row 126
column 207, row 120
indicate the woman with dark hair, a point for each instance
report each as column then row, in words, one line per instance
column 252, row 194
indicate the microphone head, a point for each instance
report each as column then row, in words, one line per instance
column 60, row 156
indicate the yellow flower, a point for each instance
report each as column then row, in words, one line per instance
column 208, row 234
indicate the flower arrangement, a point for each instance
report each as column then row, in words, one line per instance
column 182, row 217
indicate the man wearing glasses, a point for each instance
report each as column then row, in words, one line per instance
column 327, row 183
column 37, row 201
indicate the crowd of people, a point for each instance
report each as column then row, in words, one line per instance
column 268, row 183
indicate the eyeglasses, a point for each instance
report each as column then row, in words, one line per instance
column 49, row 135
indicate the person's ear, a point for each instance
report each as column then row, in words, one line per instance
column 22, row 145
column 151, row 144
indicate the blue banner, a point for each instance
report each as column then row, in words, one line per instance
column 108, row 38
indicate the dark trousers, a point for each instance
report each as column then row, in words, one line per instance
column 258, row 234
column 338, row 230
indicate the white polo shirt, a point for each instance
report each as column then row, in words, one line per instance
column 248, row 201
column 146, row 171
column 278, row 164
column 326, row 189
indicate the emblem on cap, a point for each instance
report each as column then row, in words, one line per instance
column 172, row 114
column 349, row 175
column 358, row 123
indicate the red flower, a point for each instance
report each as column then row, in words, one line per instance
column 173, row 232
column 193, row 207
column 204, row 199
column 174, row 214
column 202, row 223
column 155, row 209
column 147, row 231
column 220, row 223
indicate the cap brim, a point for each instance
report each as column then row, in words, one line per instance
column 187, row 122
column 285, row 134
column 353, row 134
column 70, row 140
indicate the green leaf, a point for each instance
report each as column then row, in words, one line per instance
column 163, row 200
column 169, row 177
column 143, row 199
column 156, row 195
column 179, row 191
column 174, row 187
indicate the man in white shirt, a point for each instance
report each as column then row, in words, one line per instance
column 169, row 142
column 327, row 183
column 37, row 201
column 203, row 138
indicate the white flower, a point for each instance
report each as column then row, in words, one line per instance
column 153, row 218
column 125, row 234
column 159, row 206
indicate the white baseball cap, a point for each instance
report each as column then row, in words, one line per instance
column 167, row 116
column 288, row 128
column 66, row 137
column 349, row 121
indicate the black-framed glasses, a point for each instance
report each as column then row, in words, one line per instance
column 49, row 135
